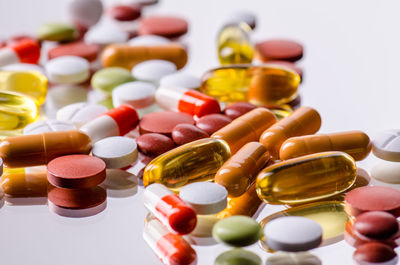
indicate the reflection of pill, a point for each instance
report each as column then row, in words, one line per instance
column 80, row 49
column 48, row 126
column 166, row 26
column 386, row 145
column 279, row 49
column 292, row 233
column 238, row 256
column 376, row 225
column 213, row 122
column 80, row 113
column 116, row 151
column 205, row 197
column 375, row 253
column 154, row 144
column 373, row 198
column 76, row 171
column 293, row 258
column 67, row 70
column 163, row 122
column 186, row 133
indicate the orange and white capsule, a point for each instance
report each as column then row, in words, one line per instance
column 23, row 51
column 170, row 248
column 167, row 207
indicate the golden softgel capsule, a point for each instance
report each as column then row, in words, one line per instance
column 196, row 161
column 306, row 178
column 261, row 85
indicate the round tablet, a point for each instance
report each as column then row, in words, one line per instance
column 238, row 256
column 77, row 198
column 372, row 198
column 57, row 32
column 23, row 67
column 62, row 95
column 237, row 231
column 292, row 233
column 86, row 12
column 386, row 145
column 375, row 253
column 153, row 70
column 137, row 94
column 154, row 144
column 179, row 79
column 106, row 79
column 287, row 258
column 205, row 197
column 386, row 171
column 186, row 133
column 67, row 70
column 39, row 127
column 213, row 122
column 116, row 151
column 80, row 113
column 279, row 49
column 240, row 17
column 76, row 171
column 376, row 225
column 148, row 40
column 124, row 12
column 163, row 122
column 237, row 109
column 79, row 49
column 105, row 35
column 166, row 26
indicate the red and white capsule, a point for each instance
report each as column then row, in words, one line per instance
column 23, row 51
column 115, row 122
column 167, row 207
column 170, row 248
column 185, row 100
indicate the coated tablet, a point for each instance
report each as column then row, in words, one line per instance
column 153, row 70
column 386, row 145
column 80, row 113
column 148, row 40
column 180, row 80
column 137, row 94
column 48, row 126
column 67, row 70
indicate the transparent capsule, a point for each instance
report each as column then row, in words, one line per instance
column 234, row 44
column 261, row 85
column 16, row 110
column 329, row 214
column 307, row 178
column 31, row 83
column 195, row 161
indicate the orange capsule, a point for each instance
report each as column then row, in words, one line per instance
column 21, row 184
column 355, row 143
column 246, row 128
column 127, row 56
column 303, row 121
column 237, row 174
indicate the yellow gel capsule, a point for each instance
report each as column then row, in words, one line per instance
column 329, row 214
column 280, row 111
column 31, row 83
column 234, row 45
column 261, row 85
column 195, row 161
column 16, row 110
column 306, row 178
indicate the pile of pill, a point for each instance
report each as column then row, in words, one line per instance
column 96, row 107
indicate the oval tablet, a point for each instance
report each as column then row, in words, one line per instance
column 165, row 26
column 163, row 122
column 213, row 122
column 137, row 94
column 104, row 34
column 205, row 197
column 106, row 79
column 80, row 113
column 237, row 109
column 373, row 198
column 48, row 126
column 79, row 49
column 279, row 49
column 238, row 256
column 386, row 171
column 124, row 12
column 186, row 133
column 148, row 40
column 386, row 145
column 76, row 171
column 180, row 80
column 376, row 225
column 292, row 233
column 375, row 253
column 287, row 258
column 57, row 32
column 67, row 70
column 116, row 152
column 237, row 231
column 154, row 144
column 153, row 70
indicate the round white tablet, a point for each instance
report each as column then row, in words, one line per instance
column 292, row 233
column 63, row 95
column 242, row 16
column 67, row 70
column 153, row 70
column 205, row 197
column 388, row 172
column 116, row 151
column 48, row 126
column 23, row 67
column 149, row 40
column 80, row 113
column 386, row 145
column 180, row 80
column 104, row 34
column 137, row 94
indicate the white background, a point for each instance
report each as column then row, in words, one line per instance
column 351, row 65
